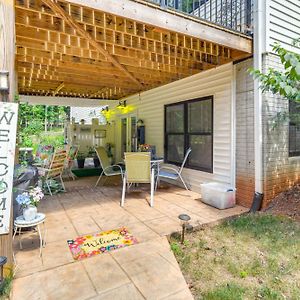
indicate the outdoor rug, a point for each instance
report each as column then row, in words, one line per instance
column 89, row 245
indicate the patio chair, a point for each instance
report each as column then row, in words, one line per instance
column 173, row 172
column 72, row 152
column 107, row 168
column 55, row 170
column 43, row 155
column 138, row 170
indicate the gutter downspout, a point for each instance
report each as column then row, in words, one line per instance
column 259, row 27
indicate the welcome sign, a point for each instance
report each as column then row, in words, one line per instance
column 8, row 129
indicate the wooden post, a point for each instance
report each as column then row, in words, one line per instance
column 7, row 63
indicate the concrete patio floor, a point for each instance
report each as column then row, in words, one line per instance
column 147, row 270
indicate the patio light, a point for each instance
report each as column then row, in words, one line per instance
column 122, row 105
column 3, row 260
column 4, row 87
column 184, row 219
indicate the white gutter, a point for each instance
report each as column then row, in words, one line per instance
column 233, row 128
column 259, row 41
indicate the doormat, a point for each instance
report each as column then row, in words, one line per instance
column 89, row 245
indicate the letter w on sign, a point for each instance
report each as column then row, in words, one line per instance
column 8, row 130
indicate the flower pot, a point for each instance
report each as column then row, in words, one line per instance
column 96, row 162
column 29, row 213
column 80, row 162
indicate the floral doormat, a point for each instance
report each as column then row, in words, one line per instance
column 89, row 245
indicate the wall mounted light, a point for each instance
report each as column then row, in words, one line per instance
column 4, row 82
column 122, row 105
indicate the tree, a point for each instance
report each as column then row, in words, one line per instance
column 287, row 82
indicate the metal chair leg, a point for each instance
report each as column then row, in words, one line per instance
column 123, row 192
column 152, row 188
column 99, row 179
column 183, row 183
column 49, row 189
column 62, row 183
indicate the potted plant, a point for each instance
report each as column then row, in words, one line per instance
column 80, row 159
column 29, row 201
column 93, row 154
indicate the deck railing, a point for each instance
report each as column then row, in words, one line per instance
column 232, row 14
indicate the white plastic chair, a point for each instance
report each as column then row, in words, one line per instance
column 173, row 172
column 107, row 168
column 138, row 170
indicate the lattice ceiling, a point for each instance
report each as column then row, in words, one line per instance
column 67, row 50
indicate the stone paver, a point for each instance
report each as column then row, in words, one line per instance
column 147, row 270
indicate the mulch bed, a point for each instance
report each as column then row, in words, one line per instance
column 287, row 203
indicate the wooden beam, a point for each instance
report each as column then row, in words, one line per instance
column 171, row 20
column 7, row 45
column 66, row 101
column 61, row 86
column 7, row 63
column 69, row 20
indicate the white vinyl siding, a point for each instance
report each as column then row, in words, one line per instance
column 283, row 17
column 149, row 107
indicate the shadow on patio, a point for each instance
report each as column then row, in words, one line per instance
column 146, row 270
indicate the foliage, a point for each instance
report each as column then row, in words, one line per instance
column 55, row 139
column 285, row 83
column 5, row 287
column 254, row 256
column 32, row 119
column 81, row 155
column 92, row 152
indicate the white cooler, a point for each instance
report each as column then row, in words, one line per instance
column 218, row 195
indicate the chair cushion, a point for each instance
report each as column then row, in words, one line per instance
column 167, row 175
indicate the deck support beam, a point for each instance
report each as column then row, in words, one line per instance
column 69, row 20
column 171, row 20
column 7, row 63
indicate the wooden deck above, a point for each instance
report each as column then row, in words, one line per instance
column 67, row 49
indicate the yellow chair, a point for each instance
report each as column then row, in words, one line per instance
column 138, row 170
column 107, row 168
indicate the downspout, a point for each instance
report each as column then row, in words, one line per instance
column 259, row 40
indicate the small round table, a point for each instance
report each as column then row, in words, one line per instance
column 20, row 223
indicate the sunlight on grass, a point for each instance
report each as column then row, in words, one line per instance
column 250, row 257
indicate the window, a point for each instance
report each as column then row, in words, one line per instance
column 294, row 129
column 190, row 124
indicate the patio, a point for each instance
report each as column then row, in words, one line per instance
column 146, row 270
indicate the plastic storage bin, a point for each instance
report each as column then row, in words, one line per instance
column 218, row 195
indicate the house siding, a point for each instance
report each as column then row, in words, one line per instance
column 280, row 170
column 245, row 178
column 149, row 107
column 283, row 23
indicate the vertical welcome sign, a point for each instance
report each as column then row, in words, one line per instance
column 8, row 128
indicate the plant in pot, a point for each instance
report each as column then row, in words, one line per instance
column 80, row 159
column 29, row 201
column 93, row 154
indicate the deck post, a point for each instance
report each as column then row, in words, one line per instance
column 7, row 63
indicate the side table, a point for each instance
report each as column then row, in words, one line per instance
column 20, row 223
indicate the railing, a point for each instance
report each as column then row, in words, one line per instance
column 232, row 14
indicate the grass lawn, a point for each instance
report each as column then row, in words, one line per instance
column 250, row 257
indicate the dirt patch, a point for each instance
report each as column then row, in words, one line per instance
column 287, row 203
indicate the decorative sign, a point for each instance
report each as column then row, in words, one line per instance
column 8, row 129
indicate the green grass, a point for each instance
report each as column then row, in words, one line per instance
column 250, row 257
